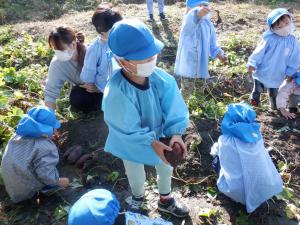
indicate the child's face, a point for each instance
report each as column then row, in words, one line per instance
column 104, row 36
column 285, row 21
column 132, row 65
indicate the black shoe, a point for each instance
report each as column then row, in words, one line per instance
column 150, row 18
column 162, row 16
column 136, row 205
column 293, row 110
column 171, row 207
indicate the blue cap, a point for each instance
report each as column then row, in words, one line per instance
column 195, row 3
column 239, row 122
column 276, row 14
column 298, row 78
column 39, row 121
column 132, row 40
column 96, row 207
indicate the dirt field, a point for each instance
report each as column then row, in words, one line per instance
column 194, row 181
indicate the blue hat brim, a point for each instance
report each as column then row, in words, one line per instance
column 278, row 16
column 57, row 125
column 146, row 53
column 195, row 4
column 298, row 79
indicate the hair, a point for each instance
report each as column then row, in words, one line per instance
column 105, row 17
column 66, row 35
column 279, row 20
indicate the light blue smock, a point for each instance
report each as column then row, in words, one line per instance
column 99, row 65
column 247, row 173
column 197, row 43
column 138, row 116
column 274, row 58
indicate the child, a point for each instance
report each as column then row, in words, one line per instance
column 161, row 6
column 275, row 57
column 30, row 158
column 246, row 171
column 197, row 43
column 98, row 64
column 289, row 90
column 97, row 207
column 141, row 104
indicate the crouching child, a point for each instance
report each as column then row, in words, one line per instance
column 245, row 170
column 30, row 158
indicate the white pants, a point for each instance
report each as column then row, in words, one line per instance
column 136, row 176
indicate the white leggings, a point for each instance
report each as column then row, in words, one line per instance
column 136, row 176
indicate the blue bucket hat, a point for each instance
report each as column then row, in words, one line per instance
column 276, row 14
column 39, row 121
column 132, row 40
column 195, row 3
column 239, row 122
column 298, row 78
column 96, row 207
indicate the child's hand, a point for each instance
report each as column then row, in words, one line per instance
column 159, row 148
column 287, row 114
column 204, row 10
column 288, row 78
column 223, row 58
column 63, row 182
column 178, row 139
column 251, row 69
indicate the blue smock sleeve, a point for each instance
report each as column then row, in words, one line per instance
column 190, row 22
column 89, row 70
column 127, row 138
column 175, row 112
column 293, row 61
column 214, row 49
column 257, row 56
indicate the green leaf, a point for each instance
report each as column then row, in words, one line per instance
column 113, row 176
column 76, row 183
column 60, row 212
column 286, row 194
column 243, row 219
column 212, row 192
column 207, row 212
column 18, row 95
column 282, row 166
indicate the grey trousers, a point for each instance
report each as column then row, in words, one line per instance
column 161, row 6
column 260, row 88
column 294, row 101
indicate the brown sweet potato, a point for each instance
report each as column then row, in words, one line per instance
column 82, row 160
column 91, row 161
column 74, row 154
column 174, row 157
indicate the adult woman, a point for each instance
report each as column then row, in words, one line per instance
column 66, row 66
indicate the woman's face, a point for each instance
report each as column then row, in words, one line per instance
column 67, row 52
column 68, row 47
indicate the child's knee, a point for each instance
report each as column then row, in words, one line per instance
column 164, row 170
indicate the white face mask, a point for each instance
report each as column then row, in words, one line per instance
column 65, row 55
column 285, row 31
column 146, row 69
